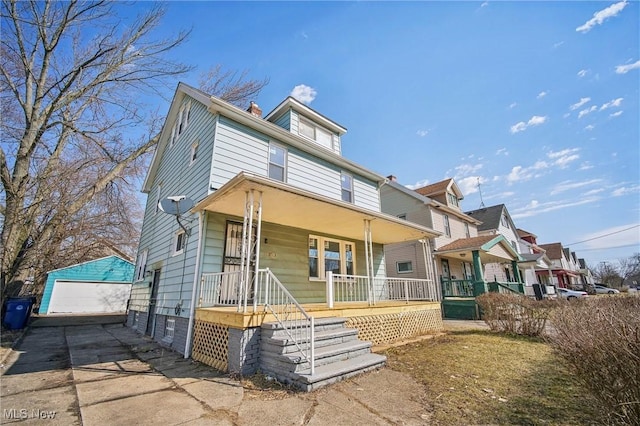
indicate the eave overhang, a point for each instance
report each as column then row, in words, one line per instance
column 289, row 206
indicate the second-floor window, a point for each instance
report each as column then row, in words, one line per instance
column 194, row 153
column 141, row 265
column 179, row 242
column 346, row 181
column 447, row 228
column 277, row 162
column 466, row 230
column 504, row 220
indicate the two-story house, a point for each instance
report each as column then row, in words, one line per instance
column 459, row 253
column 252, row 219
column 563, row 272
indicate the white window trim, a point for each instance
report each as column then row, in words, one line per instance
column 286, row 161
column 193, row 151
column 352, row 201
column 343, row 256
column 169, row 329
column 315, row 127
column 174, row 247
column 141, row 265
column 410, row 271
column 447, row 225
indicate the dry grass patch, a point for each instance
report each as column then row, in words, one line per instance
column 486, row 378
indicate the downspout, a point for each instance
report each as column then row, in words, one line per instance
column 195, row 287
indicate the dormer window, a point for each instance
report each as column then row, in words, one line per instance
column 453, row 200
column 310, row 130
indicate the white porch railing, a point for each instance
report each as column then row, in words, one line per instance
column 292, row 317
column 221, row 289
column 225, row 289
column 360, row 288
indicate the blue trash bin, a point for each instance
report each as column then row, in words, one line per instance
column 16, row 312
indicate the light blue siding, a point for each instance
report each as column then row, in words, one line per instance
column 109, row 269
column 176, row 175
column 284, row 121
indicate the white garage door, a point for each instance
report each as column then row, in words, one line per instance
column 86, row 297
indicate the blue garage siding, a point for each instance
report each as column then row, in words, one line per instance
column 107, row 269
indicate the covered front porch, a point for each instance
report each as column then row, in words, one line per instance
column 301, row 258
column 473, row 258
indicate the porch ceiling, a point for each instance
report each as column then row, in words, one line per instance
column 289, row 206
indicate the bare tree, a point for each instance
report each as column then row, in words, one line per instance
column 629, row 269
column 72, row 76
column 231, row 86
column 606, row 273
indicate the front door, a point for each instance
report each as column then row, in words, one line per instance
column 232, row 262
column 151, row 318
column 446, row 273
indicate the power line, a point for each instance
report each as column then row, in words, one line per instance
column 602, row 236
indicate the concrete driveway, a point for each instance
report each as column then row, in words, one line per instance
column 94, row 372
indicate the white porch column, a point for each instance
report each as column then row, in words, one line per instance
column 368, row 252
column 247, row 250
column 329, row 289
column 257, row 253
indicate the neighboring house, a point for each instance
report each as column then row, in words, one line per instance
column 96, row 286
column 535, row 259
column 564, row 272
column 587, row 277
column 496, row 220
column 283, row 227
column 460, row 254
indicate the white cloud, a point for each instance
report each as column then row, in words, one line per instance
column 568, row 185
column 564, row 157
column 600, row 16
column 485, row 4
column 469, row 185
column 536, row 120
column 587, row 111
column 614, row 103
column 582, row 73
column 586, row 166
column 590, row 127
column 502, row 151
column 304, row 93
column 529, row 210
column 615, row 114
column 542, row 94
column 623, row 69
column 617, row 236
column 624, row 190
column 578, row 104
column 418, row 184
column 558, row 44
column 422, row 133
column 513, row 105
column 464, row 170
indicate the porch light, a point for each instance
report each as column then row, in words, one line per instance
column 463, row 254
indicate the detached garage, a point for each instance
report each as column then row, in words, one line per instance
column 97, row 286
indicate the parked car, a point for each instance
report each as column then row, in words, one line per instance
column 565, row 293
column 600, row 289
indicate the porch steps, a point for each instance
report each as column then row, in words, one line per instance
column 338, row 355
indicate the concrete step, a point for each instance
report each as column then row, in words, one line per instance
column 295, row 361
column 335, row 372
column 272, row 329
column 322, row 338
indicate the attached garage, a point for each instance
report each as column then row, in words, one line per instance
column 98, row 286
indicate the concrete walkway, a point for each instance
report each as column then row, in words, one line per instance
column 97, row 374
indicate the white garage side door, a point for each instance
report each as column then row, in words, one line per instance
column 87, row 297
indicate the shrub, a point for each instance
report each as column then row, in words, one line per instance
column 514, row 313
column 601, row 341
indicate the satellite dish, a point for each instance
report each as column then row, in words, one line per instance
column 176, row 205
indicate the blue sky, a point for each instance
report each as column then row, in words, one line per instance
column 538, row 101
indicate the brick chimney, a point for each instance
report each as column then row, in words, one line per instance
column 254, row 109
column 392, row 178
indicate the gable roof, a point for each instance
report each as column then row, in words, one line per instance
column 522, row 233
column 489, row 216
column 554, row 250
column 220, row 107
column 440, row 188
column 481, row 243
column 428, row 201
column 292, row 103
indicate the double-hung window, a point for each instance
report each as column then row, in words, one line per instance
column 327, row 254
column 466, row 230
column 447, row 228
column 277, row 162
column 141, row 265
column 321, row 136
column 179, row 242
column 346, row 182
